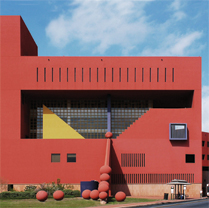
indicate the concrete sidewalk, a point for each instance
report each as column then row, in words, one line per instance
column 148, row 203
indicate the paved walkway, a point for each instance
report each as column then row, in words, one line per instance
column 131, row 205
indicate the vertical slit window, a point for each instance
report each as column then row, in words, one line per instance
column 127, row 74
column 157, row 74
column 67, row 74
column 82, row 74
column 112, row 74
column 119, row 74
column 165, row 74
column 37, row 74
column 97, row 74
column 74, row 74
column 150, row 72
column 142, row 74
column 135, row 75
column 172, row 74
column 52, row 75
column 59, row 74
column 89, row 74
column 44, row 74
column 104, row 74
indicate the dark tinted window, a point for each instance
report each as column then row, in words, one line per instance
column 71, row 157
column 190, row 158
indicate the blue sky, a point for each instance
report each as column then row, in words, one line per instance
column 119, row 28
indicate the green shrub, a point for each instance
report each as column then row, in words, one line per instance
column 76, row 193
column 68, row 193
column 30, row 188
column 18, row 195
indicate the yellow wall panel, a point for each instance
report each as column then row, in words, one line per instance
column 55, row 128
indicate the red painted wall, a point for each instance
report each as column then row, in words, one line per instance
column 29, row 160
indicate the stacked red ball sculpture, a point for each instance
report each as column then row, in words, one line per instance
column 104, row 185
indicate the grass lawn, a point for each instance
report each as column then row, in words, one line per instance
column 66, row 202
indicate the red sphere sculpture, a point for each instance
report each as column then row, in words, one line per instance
column 108, row 135
column 94, row 194
column 105, row 169
column 104, row 182
column 42, row 196
column 58, row 195
column 120, row 196
column 103, row 187
column 86, row 194
column 104, row 177
column 103, row 195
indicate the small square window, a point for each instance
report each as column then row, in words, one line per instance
column 207, row 144
column 71, row 157
column 190, row 158
column 207, row 157
column 203, row 157
column 203, row 143
column 55, row 157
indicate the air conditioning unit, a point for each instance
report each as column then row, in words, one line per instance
column 177, row 131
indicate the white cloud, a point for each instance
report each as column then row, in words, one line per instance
column 176, row 6
column 205, row 108
column 175, row 44
column 104, row 23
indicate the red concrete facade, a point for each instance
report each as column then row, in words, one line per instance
column 24, row 73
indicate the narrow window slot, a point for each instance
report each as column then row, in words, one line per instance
column 112, row 74
column 142, row 74
column 97, row 74
column 44, row 74
column 172, row 74
column 127, row 74
column 82, row 74
column 59, row 74
column 135, row 75
column 74, row 74
column 104, row 74
column 119, row 74
column 89, row 74
column 67, row 74
column 157, row 74
column 150, row 72
column 52, row 75
column 37, row 74
column 165, row 74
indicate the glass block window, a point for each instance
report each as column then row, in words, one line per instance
column 59, row 107
column 125, row 112
column 87, row 117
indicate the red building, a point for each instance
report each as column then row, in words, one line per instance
column 55, row 112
